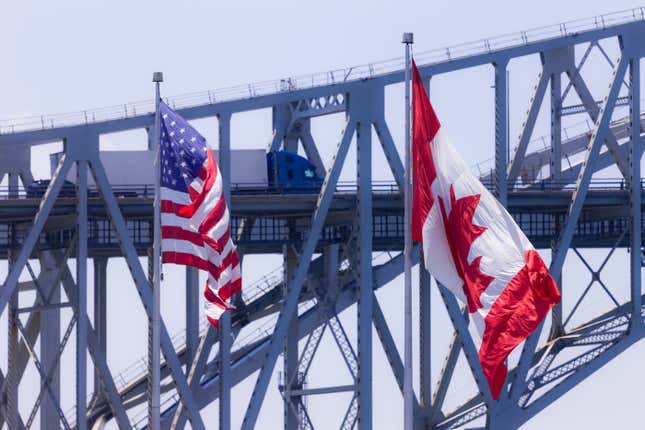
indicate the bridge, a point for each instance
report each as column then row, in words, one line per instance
column 340, row 245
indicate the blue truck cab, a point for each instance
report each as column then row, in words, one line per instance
column 289, row 173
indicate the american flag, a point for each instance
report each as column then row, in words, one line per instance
column 195, row 222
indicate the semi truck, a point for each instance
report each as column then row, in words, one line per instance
column 252, row 171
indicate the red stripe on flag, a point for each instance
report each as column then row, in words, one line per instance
column 220, row 243
column 214, row 216
column 203, row 172
column 227, row 290
column 515, row 314
column 213, row 321
column 213, row 298
column 173, row 232
column 425, row 126
column 190, row 260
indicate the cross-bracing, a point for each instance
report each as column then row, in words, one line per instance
column 339, row 247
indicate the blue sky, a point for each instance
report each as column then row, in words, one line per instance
column 69, row 56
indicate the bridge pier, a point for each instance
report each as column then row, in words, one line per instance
column 100, row 317
column 49, row 341
column 291, row 378
column 635, row 191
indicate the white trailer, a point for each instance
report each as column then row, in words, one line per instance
column 135, row 168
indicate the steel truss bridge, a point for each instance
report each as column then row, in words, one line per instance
column 339, row 246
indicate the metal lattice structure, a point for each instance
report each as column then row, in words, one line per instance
column 330, row 243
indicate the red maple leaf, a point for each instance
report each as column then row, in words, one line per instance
column 461, row 233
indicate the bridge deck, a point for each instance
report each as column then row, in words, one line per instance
column 538, row 212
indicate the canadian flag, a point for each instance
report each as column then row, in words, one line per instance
column 472, row 245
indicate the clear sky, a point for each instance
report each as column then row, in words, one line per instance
column 67, row 56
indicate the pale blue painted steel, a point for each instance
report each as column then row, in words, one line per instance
column 425, row 344
column 81, row 299
column 389, row 148
column 501, row 130
column 573, row 214
column 365, row 304
column 46, row 205
column 100, row 314
column 527, row 126
column 467, row 344
column 297, row 281
column 509, row 410
column 192, row 311
column 98, row 356
column 555, row 156
column 226, row 340
column 143, row 287
column 584, row 178
column 636, row 151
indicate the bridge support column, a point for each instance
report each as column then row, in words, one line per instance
column 100, row 315
column 49, row 342
column 636, row 256
column 555, row 162
column 81, row 301
column 11, row 393
column 365, row 305
column 226, row 339
column 192, row 312
column 501, row 131
column 291, row 380
column 425, row 350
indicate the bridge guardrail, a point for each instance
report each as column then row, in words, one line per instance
column 347, row 187
column 365, row 71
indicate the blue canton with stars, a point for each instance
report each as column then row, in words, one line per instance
column 183, row 150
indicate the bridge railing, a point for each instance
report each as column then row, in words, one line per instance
column 294, row 83
column 146, row 191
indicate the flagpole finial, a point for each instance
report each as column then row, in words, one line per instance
column 408, row 38
column 157, row 77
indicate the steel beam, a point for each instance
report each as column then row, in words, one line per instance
column 245, row 103
column 446, row 374
column 309, row 321
column 13, row 187
column 425, row 350
column 324, row 390
column 389, row 347
column 50, row 338
column 290, row 375
column 365, row 303
column 594, row 112
column 195, row 373
column 635, row 154
column 391, row 154
column 226, row 340
column 100, row 362
column 501, row 131
column 555, row 156
column 291, row 301
column 12, row 380
column 81, row 298
column 584, row 178
column 467, row 344
column 100, row 314
column 309, row 145
column 46, row 205
column 144, row 289
column 578, row 197
column 527, row 127
column 192, row 312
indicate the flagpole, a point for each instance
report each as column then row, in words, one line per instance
column 155, row 329
column 408, row 390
